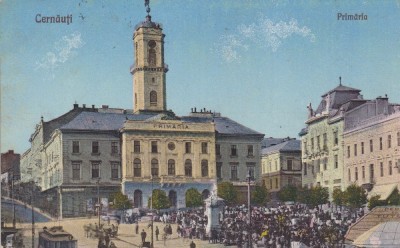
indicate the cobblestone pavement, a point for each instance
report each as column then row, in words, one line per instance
column 126, row 234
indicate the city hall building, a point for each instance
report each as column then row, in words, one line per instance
column 89, row 153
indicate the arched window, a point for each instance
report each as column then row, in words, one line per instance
column 153, row 97
column 204, row 168
column 171, row 167
column 154, row 167
column 136, row 53
column 137, row 199
column 152, row 53
column 137, row 168
column 188, row 168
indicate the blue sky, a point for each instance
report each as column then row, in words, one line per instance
column 257, row 62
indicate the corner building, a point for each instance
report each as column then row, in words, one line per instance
column 322, row 139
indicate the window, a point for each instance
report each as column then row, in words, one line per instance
column 137, row 168
column 233, row 150
column 114, row 147
column 355, row 149
column 349, row 175
column 371, row 145
column 204, row 147
column 336, row 161
column 75, row 146
column 335, row 138
column 348, row 151
column 317, row 165
column 325, row 163
column 154, row 167
column 250, row 150
column 276, row 182
column 76, row 170
column 318, row 142
column 219, row 169
column 234, row 174
column 153, row 98
column 95, row 147
column 398, row 138
column 154, row 148
column 356, row 173
column 371, row 171
column 381, row 167
column 290, row 180
column 151, row 59
column 312, row 169
column 250, row 169
column 389, row 141
column 218, row 149
column 188, row 168
column 305, row 169
column 114, row 170
column 204, row 168
column 270, row 183
column 136, row 146
column 325, row 141
column 380, row 143
column 363, row 172
column 312, row 144
column 305, row 148
column 390, row 168
column 188, row 147
column 171, row 167
column 95, row 170
column 289, row 163
column 362, row 147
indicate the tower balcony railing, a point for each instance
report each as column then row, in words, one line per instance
column 133, row 68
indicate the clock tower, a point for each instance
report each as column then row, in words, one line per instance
column 149, row 69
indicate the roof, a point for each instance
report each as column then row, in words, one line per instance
column 341, row 88
column 292, row 145
column 386, row 234
column 147, row 23
column 267, row 142
column 95, row 121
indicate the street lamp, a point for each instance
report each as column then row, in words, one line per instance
column 98, row 199
column 248, row 177
column 152, row 217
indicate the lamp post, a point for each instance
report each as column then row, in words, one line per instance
column 152, row 217
column 248, row 177
column 98, row 199
column 12, row 197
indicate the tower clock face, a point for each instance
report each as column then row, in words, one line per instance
column 171, row 146
column 152, row 44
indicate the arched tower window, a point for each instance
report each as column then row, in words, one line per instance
column 136, row 53
column 137, row 168
column 152, row 53
column 188, row 168
column 153, row 98
column 154, row 167
column 171, row 167
column 204, row 168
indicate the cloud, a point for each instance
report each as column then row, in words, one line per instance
column 62, row 51
column 264, row 33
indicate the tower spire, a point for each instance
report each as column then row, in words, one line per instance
column 340, row 81
column 147, row 5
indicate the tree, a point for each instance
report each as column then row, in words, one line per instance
column 193, row 198
column 259, row 195
column 288, row 193
column 160, row 201
column 304, row 195
column 375, row 202
column 394, row 198
column 338, row 197
column 319, row 195
column 120, row 201
column 355, row 196
column 228, row 192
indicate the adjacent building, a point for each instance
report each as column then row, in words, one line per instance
column 322, row 138
column 372, row 146
column 281, row 164
column 10, row 165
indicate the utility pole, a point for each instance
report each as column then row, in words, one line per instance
column 33, row 218
column 249, row 208
column 98, row 198
column 12, row 197
column 152, row 217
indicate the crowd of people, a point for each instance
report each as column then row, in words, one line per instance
column 269, row 227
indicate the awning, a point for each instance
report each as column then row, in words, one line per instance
column 383, row 190
column 385, row 234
